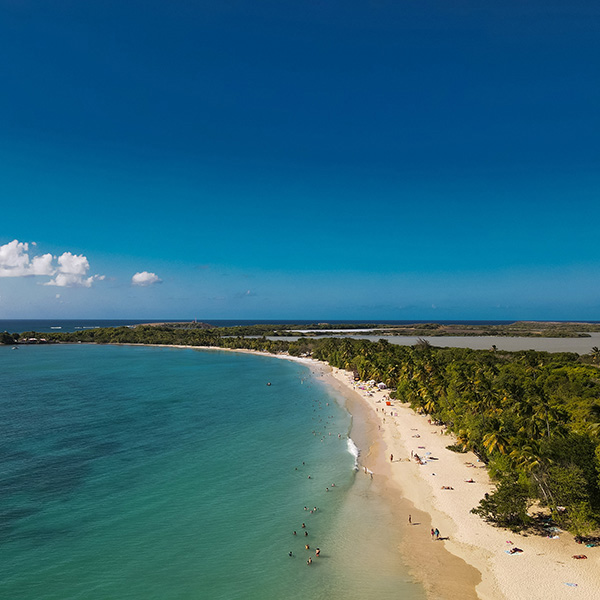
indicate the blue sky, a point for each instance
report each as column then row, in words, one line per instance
column 311, row 160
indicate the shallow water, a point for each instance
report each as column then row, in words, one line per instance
column 143, row 473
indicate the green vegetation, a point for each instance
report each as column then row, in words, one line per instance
column 8, row 338
column 520, row 329
column 532, row 417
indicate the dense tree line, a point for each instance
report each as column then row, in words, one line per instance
column 532, row 417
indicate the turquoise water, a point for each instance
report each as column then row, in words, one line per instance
column 157, row 473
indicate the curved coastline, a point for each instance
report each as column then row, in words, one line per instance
column 473, row 554
column 444, row 575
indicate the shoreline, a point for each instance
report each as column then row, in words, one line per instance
column 545, row 569
column 443, row 575
column 471, row 560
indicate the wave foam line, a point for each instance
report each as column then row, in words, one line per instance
column 353, row 449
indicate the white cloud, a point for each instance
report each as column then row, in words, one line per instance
column 73, row 280
column 14, row 260
column 42, row 265
column 71, row 270
column 145, row 279
column 74, row 264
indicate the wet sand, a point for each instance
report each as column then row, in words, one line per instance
column 444, row 575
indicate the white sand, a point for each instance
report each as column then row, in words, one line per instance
column 545, row 566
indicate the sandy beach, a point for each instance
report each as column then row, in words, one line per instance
column 546, row 567
column 471, row 559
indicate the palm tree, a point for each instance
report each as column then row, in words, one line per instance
column 496, row 440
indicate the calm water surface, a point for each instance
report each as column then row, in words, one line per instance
column 155, row 473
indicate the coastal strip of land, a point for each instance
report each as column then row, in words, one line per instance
column 446, row 485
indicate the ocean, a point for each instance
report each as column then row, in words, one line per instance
column 148, row 473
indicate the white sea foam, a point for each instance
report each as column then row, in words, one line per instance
column 353, row 449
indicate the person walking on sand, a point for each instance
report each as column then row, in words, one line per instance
column 391, row 458
column 410, row 519
column 432, row 533
column 437, row 533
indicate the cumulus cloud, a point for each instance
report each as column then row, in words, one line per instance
column 144, row 279
column 41, row 265
column 15, row 261
column 70, row 270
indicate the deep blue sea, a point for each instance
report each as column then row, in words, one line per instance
column 158, row 473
